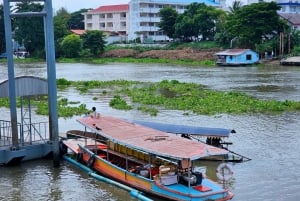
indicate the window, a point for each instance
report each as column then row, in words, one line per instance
column 109, row 24
column 102, row 25
column 109, row 15
column 89, row 25
column 293, row 9
column 248, row 57
column 123, row 15
column 88, row 17
column 123, row 24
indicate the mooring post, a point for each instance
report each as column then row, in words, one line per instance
column 51, row 72
column 11, row 75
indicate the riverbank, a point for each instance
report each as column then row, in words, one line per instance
column 183, row 56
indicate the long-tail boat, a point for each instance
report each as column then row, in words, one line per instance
column 149, row 160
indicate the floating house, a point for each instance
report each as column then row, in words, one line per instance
column 236, row 57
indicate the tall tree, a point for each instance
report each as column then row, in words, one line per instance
column 184, row 28
column 253, row 22
column 29, row 31
column 198, row 20
column 94, row 41
column 207, row 21
column 76, row 20
column 60, row 29
column 2, row 33
column 168, row 16
column 236, row 5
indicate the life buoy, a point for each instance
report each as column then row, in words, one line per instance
column 224, row 172
column 91, row 161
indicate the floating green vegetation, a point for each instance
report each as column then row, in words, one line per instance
column 40, row 104
column 196, row 98
column 118, row 103
column 84, row 86
column 172, row 95
column 149, row 110
column 63, row 107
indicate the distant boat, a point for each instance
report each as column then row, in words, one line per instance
column 236, row 57
column 290, row 61
column 21, row 54
column 146, row 159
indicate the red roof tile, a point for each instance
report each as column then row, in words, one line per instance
column 77, row 31
column 112, row 8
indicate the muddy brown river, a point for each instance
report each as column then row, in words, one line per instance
column 271, row 141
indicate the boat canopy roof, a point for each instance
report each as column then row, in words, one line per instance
column 147, row 139
column 189, row 130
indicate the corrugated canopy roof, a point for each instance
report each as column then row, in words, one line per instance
column 232, row 52
column 25, row 86
column 190, row 130
column 148, row 139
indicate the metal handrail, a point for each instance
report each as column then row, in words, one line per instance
column 39, row 133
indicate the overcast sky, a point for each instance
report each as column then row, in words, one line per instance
column 75, row 5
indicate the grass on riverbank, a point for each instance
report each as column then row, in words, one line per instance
column 137, row 60
column 173, row 95
column 139, row 48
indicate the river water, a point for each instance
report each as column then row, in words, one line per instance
column 271, row 141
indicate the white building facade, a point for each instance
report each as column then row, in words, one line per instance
column 111, row 18
column 140, row 18
column 144, row 17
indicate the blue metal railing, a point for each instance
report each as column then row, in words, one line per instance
column 39, row 132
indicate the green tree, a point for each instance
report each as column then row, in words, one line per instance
column 168, row 16
column 29, row 31
column 236, row 5
column 198, row 20
column 76, row 20
column 94, row 41
column 253, row 22
column 2, row 33
column 184, row 28
column 60, row 23
column 208, row 20
column 60, row 29
column 71, row 46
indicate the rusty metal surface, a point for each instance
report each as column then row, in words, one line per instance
column 148, row 139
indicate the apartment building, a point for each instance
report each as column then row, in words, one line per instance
column 144, row 17
column 140, row 18
column 110, row 18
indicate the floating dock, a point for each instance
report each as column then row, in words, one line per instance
column 290, row 61
column 33, row 143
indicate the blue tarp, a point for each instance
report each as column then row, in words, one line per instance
column 189, row 130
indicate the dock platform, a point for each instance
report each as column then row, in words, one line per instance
column 31, row 145
column 290, row 61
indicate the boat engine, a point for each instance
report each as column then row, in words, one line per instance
column 195, row 178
